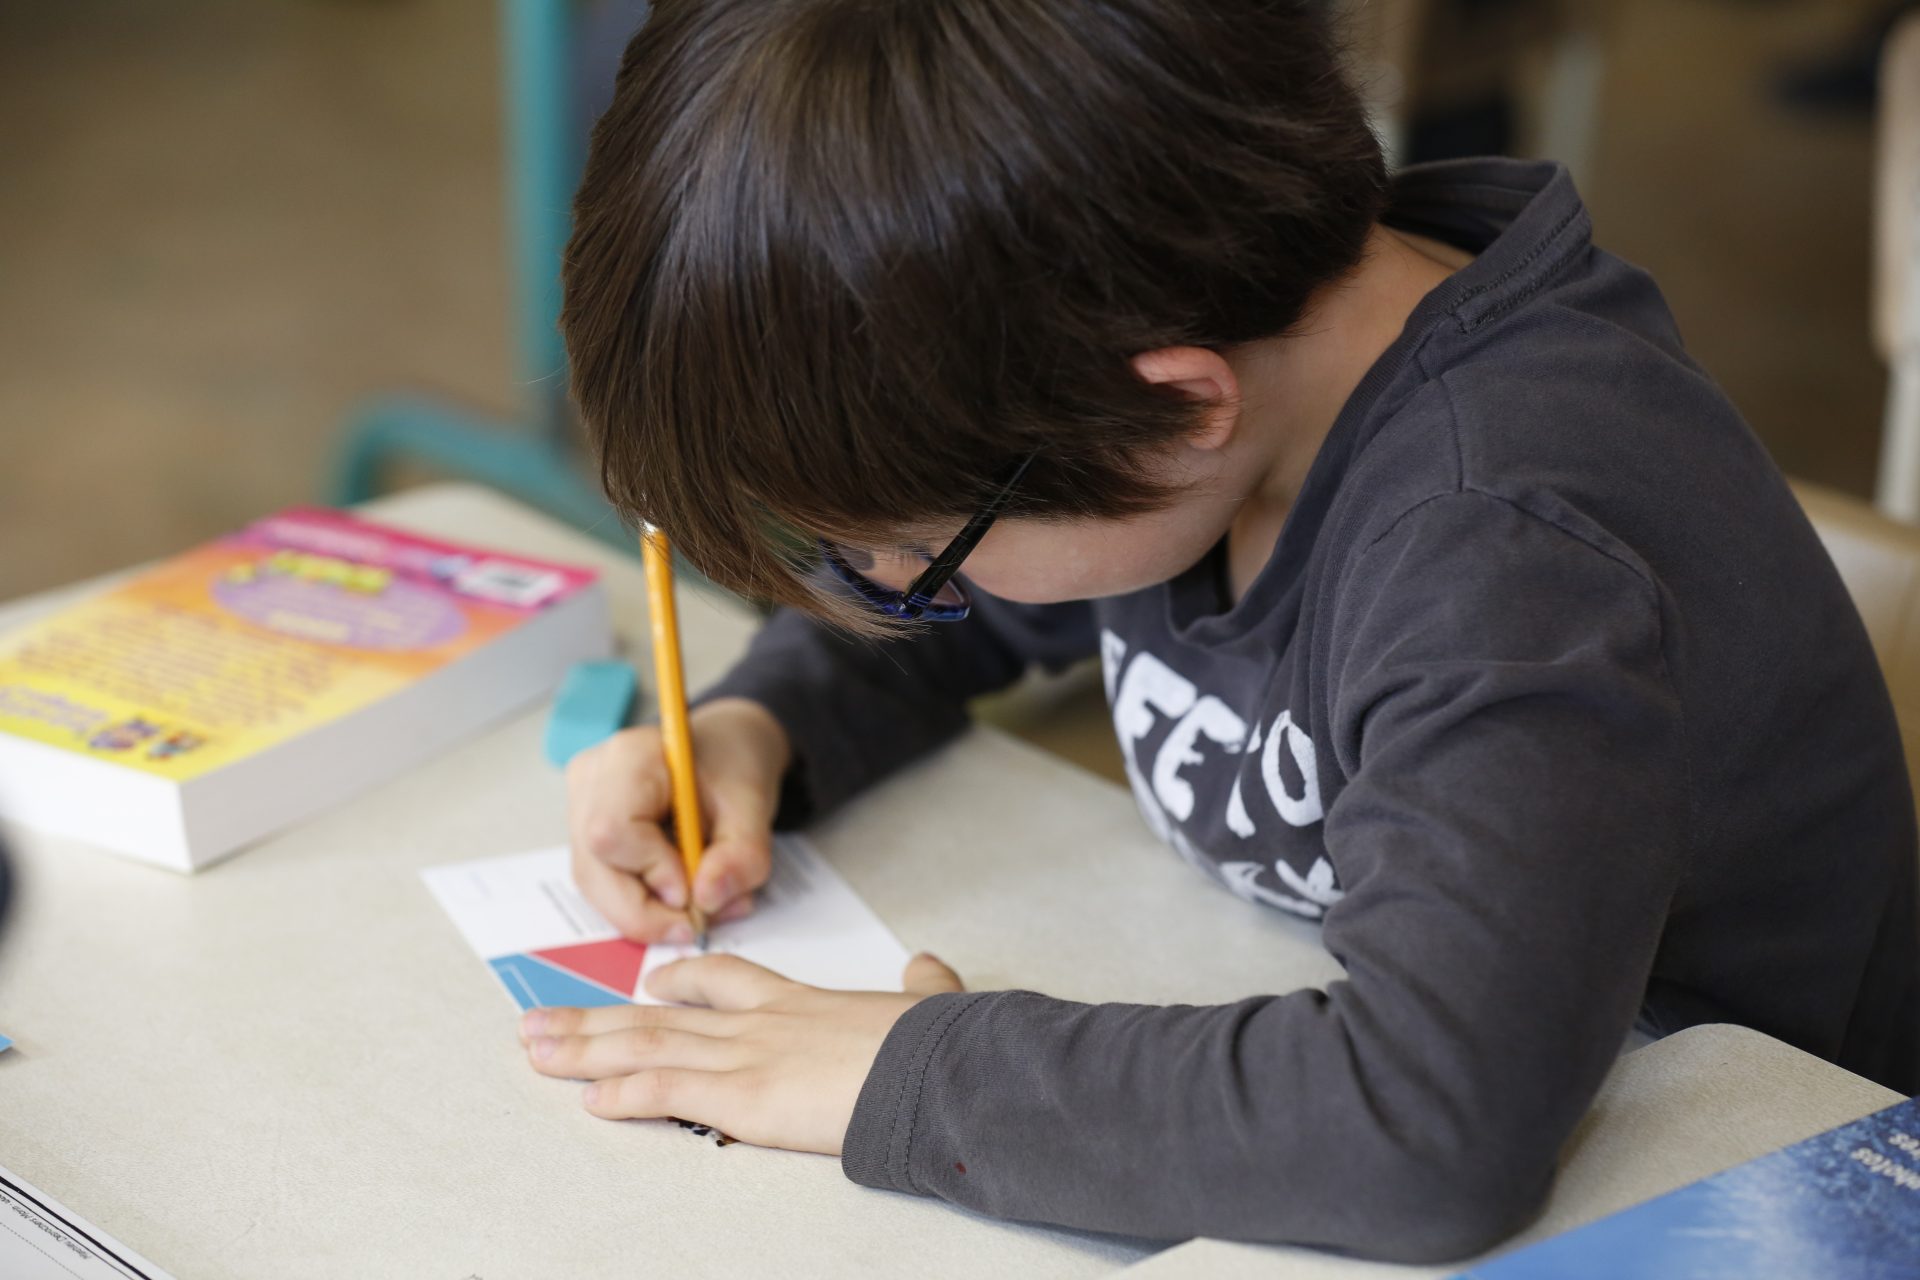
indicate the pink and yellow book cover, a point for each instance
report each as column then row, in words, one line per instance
column 245, row 642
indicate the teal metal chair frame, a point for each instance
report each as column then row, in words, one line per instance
column 535, row 459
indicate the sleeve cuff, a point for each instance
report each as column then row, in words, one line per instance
column 878, row 1148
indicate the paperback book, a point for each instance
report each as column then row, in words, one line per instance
column 258, row 679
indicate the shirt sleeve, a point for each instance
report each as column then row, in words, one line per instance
column 856, row 709
column 1512, row 830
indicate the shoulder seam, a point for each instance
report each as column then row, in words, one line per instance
column 1468, row 490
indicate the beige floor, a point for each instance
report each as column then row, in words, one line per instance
column 223, row 222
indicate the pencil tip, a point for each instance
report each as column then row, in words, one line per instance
column 702, row 941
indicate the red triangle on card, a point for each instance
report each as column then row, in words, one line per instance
column 614, row 963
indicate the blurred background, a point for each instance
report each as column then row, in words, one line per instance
column 227, row 226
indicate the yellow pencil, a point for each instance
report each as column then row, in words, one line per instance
column 671, row 688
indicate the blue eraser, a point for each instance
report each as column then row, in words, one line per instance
column 593, row 704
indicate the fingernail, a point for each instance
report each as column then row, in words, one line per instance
column 718, row 890
column 591, row 1095
column 674, row 895
column 534, row 1022
column 543, row 1047
column 680, row 934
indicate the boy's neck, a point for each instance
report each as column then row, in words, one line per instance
column 1293, row 387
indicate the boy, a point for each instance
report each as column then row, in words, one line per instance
column 1441, row 597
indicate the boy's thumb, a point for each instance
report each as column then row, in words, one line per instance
column 731, row 866
column 928, row 975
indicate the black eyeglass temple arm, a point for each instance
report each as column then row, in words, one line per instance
column 948, row 562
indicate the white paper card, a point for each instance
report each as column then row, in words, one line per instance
column 524, row 916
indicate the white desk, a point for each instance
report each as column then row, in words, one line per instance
column 291, row 1065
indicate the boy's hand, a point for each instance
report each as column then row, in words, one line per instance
column 765, row 1060
column 619, row 801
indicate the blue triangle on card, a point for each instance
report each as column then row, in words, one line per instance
column 535, row 984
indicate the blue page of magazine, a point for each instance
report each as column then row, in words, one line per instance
column 1843, row 1205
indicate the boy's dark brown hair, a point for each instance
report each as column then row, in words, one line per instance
column 837, row 263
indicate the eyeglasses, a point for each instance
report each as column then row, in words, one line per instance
column 933, row 596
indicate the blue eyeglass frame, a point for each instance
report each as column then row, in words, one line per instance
column 917, row 602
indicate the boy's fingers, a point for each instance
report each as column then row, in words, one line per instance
column 718, row 982
column 726, row 873
column 668, row 1091
column 640, row 848
column 619, row 1053
column 627, row 767
column 624, row 900
column 621, row 831
column 617, row 896
column 928, row 975
column 621, row 1017
column 635, row 750
column 618, row 796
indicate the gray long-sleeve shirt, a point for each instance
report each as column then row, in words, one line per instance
column 1548, row 705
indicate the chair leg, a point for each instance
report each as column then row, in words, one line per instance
column 502, row 455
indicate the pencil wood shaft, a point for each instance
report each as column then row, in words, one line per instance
column 671, row 689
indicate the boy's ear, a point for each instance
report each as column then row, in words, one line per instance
column 1200, row 375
